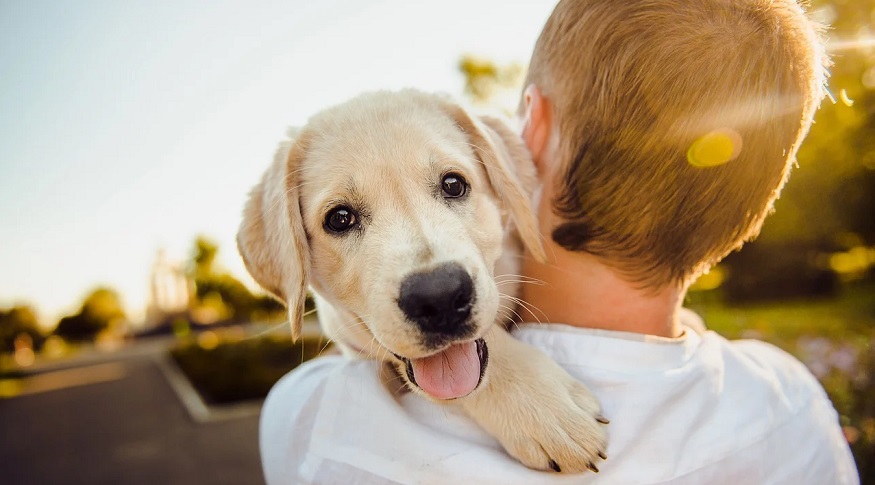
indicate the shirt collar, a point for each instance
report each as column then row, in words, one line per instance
column 612, row 350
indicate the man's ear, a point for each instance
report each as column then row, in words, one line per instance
column 509, row 168
column 271, row 237
column 537, row 126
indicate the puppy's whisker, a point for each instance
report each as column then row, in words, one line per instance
column 356, row 328
column 368, row 349
column 380, row 354
column 385, row 355
column 521, row 282
column 521, row 278
column 288, row 192
column 288, row 176
column 473, row 159
column 324, row 347
column 477, row 160
column 271, row 329
column 276, row 326
column 402, row 388
column 529, row 308
column 504, row 314
column 334, row 335
column 478, row 147
column 512, row 310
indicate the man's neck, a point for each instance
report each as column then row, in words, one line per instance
column 578, row 289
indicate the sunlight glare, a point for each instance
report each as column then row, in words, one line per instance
column 848, row 45
column 714, row 148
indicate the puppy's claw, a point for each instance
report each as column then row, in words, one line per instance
column 555, row 466
column 592, row 467
column 602, row 419
column 602, row 455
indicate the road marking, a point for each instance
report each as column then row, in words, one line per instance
column 198, row 410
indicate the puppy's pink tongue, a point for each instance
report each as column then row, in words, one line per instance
column 452, row 373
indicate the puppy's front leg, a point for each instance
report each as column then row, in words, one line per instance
column 541, row 415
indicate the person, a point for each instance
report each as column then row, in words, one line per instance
column 663, row 131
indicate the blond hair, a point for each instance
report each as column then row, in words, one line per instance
column 638, row 89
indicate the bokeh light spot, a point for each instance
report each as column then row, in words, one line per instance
column 24, row 356
column 714, row 148
column 869, row 78
column 843, row 95
column 208, row 340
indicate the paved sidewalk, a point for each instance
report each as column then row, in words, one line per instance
column 123, row 426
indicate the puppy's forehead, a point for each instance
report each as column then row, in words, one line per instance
column 368, row 140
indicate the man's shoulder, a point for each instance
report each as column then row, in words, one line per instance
column 763, row 384
column 757, row 382
column 756, row 363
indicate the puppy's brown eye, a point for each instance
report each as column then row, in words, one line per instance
column 453, row 186
column 340, row 219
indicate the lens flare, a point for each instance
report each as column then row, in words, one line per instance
column 714, row 148
column 859, row 44
column 843, row 95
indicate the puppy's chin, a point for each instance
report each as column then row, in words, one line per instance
column 454, row 372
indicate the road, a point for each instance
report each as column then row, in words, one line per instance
column 119, row 422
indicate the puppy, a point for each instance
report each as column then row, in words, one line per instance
column 404, row 215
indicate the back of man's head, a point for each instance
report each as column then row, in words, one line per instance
column 677, row 121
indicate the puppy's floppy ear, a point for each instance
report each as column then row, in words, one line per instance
column 271, row 237
column 510, row 170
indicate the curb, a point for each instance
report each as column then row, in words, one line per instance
column 198, row 410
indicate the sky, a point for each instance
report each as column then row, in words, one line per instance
column 128, row 126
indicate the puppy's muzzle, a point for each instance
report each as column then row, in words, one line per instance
column 439, row 301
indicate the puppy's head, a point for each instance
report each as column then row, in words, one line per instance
column 394, row 207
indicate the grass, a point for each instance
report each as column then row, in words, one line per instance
column 850, row 315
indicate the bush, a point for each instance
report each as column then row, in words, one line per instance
column 17, row 322
column 101, row 310
column 776, row 272
column 241, row 370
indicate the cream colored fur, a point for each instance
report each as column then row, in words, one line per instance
column 385, row 153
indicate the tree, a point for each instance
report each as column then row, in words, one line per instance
column 101, row 310
column 491, row 84
column 204, row 257
column 225, row 295
column 15, row 322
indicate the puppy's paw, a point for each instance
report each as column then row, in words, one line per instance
column 541, row 415
column 560, row 429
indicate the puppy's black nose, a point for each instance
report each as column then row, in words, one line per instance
column 438, row 301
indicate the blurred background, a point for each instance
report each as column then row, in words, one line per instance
column 134, row 347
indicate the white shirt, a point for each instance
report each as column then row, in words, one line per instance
column 694, row 410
